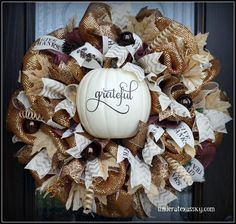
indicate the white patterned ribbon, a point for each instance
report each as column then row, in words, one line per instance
column 205, row 129
column 70, row 131
column 88, row 56
column 48, row 42
column 68, row 104
column 138, row 71
column 113, row 50
column 52, row 89
column 23, row 99
column 107, row 43
column 150, row 150
column 41, row 163
column 156, row 131
column 92, row 169
column 150, row 63
column 119, row 52
column 81, row 143
column 182, row 135
column 140, row 171
column 166, row 101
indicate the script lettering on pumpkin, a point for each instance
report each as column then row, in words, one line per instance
column 124, row 92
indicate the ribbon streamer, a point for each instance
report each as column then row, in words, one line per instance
column 152, row 149
column 89, row 202
column 48, row 42
column 140, row 172
column 182, row 135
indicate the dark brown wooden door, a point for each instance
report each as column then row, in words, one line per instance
column 18, row 187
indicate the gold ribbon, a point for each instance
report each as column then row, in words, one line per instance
column 138, row 141
column 96, row 23
column 115, row 180
column 119, row 204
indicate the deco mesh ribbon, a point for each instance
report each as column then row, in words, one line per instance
column 125, row 177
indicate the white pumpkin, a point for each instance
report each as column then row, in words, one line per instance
column 111, row 102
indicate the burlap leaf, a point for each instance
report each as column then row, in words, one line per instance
column 213, row 101
column 43, row 141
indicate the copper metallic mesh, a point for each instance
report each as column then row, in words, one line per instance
column 121, row 206
column 115, row 180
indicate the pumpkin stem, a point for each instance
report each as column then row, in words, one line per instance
column 110, row 63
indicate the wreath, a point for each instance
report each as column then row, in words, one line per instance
column 118, row 119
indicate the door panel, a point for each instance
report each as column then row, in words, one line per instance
column 218, row 188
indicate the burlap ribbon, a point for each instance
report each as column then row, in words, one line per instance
column 96, row 23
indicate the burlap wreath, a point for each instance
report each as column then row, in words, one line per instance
column 187, row 79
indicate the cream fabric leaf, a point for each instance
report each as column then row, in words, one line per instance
column 201, row 39
column 71, row 24
column 152, row 193
column 77, row 203
column 162, row 197
column 192, row 75
column 217, row 120
column 203, row 60
column 120, row 13
column 146, row 28
column 43, row 141
column 75, row 195
column 213, row 101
